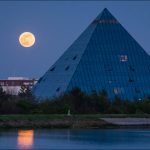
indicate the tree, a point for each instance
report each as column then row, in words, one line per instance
column 78, row 100
column 25, row 92
column 104, row 102
column 3, row 94
column 118, row 106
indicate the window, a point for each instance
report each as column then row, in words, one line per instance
column 117, row 90
column 52, row 69
column 58, row 89
column 131, row 80
column 67, row 68
column 13, row 83
column 2, row 83
column 131, row 68
column 74, row 58
column 123, row 58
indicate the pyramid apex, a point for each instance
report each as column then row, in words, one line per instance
column 106, row 15
column 105, row 9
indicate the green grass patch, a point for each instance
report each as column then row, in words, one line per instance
column 62, row 116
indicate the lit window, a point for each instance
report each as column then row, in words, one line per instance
column 117, row 90
column 67, row 68
column 123, row 58
column 58, row 89
column 52, row 69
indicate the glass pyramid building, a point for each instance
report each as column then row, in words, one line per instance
column 104, row 56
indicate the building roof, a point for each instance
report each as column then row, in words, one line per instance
column 17, row 81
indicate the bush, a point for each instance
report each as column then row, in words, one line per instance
column 76, row 101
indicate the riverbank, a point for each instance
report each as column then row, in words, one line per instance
column 74, row 121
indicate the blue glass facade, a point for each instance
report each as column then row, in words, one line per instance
column 105, row 56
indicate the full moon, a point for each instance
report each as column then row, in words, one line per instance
column 27, row 39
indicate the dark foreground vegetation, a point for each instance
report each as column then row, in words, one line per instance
column 74, row 102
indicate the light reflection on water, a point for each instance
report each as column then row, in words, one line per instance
column 25, row 139
column 68, row 139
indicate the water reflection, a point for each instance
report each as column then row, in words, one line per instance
column 79, row 139
column 25, row 139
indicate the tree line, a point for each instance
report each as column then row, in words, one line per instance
column 75, row 101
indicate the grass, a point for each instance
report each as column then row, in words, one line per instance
column 61, row 120
column 30, row 117
column 62, row 116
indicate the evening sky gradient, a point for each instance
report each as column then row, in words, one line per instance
column 56, row 25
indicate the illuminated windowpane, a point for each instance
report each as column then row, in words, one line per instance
column 117, row 90
column 123, row 58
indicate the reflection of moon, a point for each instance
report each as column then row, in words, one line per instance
column 27, row 39
column 25, row 139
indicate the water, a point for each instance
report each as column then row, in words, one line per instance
column 51, row 139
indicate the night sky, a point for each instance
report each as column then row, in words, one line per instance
column 56, row 25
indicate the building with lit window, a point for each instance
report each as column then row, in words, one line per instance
column 12, row 85
column 105, row 56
